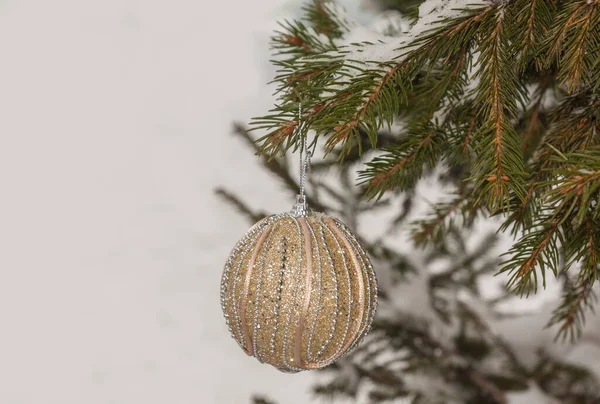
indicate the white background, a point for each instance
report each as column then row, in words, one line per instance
column 115, row 126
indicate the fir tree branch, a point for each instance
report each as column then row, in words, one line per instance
column 579, row 297
column 524, row 211
column 277, row 167
column 463, row 122
column 574, row 42
column 532, row 127
column 532, row 20
column 576, row 191
column 402, row 164
column 468, row 134
column 576, row 122
column 433, row 229
column 346, row 132
column 253, row 216
column 500, row 141
column 453, row 361
column 500, row 168
column 325, row 20
column 537, row 248
column 570, row 202
column 261, row 400
column 366, row 96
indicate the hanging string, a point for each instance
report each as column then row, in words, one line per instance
column 301, row 208
column 305, row 154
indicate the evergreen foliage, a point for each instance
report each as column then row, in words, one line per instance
column 500, row 97
column 504, row 93
column 441, row 349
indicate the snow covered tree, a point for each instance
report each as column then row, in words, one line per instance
column 497, row 104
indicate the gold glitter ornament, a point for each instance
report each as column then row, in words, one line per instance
column 298, row 291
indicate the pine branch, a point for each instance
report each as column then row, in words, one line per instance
column 461, row 94
column 576, row 123
column 539, row 248
column 278, row 167
column 570, row 202
column 325, row 19
column 370, row 109
column 462, row 122
column 534, row 124
column 453, row 362
column 523, row 211
column 383, row 97
column 402, row 164
column 532, row 20
column 499, row 170
column 433, row 229
column 261, row 400
column 576, row 191
column 574, row 41
column 297, row 41
column 360, row 94
column 580, row 297
column 253, row 216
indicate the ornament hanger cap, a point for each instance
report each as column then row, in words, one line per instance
column 301, row 207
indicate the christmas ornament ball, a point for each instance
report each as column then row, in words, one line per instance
column 298, row 291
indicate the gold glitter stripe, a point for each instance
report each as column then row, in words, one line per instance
column 307, row 291
column 248, row 345
column 361, row 286
column 279, row 291
column 309, row 355
column 339, row 351
column 257, row 300
column 295, row 283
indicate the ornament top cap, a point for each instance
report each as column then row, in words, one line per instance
column 301, row 207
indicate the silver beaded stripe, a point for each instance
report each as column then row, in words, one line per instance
column 259, row 226
column 226, row 270
column 279, row 290
column 368, row 273
column 309, row 355
column 291, row 309
column 260, row 275
column 339, row 350
column 369, row 266
column 308, row 268
column 360, row 287
column 224, row 288
column 336, row 291
column 248, row 344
